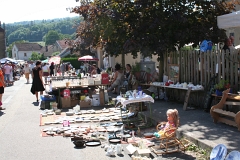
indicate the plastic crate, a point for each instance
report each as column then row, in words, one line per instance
column 50, row 98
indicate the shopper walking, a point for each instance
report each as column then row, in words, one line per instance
column 37, row 85
column 2, row 85
column 52, row 67
column 26, row 70
column 62, row 68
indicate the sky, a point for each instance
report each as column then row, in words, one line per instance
column 27, row 10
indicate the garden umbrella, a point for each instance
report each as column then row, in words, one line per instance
column 55, row 60
column 88, row 58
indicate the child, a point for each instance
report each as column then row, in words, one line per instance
column 173, row 121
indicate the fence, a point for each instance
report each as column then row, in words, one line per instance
column 199, row 68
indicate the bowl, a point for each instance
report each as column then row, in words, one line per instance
column 79, row 143
column 69, row 113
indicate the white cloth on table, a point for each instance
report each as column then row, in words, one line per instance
column 144, row 98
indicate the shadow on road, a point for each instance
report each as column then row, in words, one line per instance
column 1, row 113
column 36, row 104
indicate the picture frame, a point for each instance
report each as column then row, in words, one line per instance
column 173, row 72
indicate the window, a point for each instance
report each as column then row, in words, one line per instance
column 25, row 54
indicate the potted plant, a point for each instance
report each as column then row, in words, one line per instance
column 221, row 86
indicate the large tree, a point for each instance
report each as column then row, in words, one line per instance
column 51, row 37
column 150, row 26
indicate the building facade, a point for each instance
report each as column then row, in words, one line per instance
column 2, row 43
column 23, row 51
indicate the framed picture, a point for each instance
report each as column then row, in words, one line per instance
column 173, row 72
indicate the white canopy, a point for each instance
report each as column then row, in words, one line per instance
column 8, row 59
column 231, row 20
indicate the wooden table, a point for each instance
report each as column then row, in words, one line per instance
column 77, row 88
column 144, row 98
column 187, row 95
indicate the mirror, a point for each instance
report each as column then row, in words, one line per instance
column 173, row 72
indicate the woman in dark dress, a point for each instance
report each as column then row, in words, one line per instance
column 37, row 84
column 52, row 69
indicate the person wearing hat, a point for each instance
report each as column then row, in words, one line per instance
column 26, row 71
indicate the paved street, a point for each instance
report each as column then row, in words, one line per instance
column 20, row 131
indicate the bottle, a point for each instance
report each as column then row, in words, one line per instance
column 133, row 136
column 139, row 132
column 50, row 85
column 79, row 75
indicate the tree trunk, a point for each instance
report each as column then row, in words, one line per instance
column 123, row 60
column 161, row 68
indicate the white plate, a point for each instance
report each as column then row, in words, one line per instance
column 74, row 126
column 45, row 129
column 233, row 155
column 50, row 133
column 78, row 120
column 219, row 152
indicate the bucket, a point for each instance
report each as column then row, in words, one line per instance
column 95, row 100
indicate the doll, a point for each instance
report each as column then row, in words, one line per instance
column 173, row 121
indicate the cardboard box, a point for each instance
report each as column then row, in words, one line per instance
column 74, row 103
column 85, row 104
column 96, row 82
column 65, row 102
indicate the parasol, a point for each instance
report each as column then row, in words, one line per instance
column 55, row 60
column 88, row 58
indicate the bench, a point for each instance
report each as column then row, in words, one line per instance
column 219, row 114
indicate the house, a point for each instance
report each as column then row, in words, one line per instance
column 48, row 50
column 59, row 46
column 2, row 42
column 24, row 51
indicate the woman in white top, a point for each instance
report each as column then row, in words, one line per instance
column 26, row 70
column 118, row 78
column 45, row 70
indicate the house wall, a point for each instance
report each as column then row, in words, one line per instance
column 2, row 44
column 130, row 60
column 14, row 52
column 21, row 56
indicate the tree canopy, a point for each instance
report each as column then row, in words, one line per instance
column 151, row 27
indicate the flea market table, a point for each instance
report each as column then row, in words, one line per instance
column 143, row 98
column 188, row 90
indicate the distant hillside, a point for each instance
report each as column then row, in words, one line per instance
column 34, row 31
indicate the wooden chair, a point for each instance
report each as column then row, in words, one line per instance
column 219, row 114
column 169, row 143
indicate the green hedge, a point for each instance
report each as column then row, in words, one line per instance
column 73, row 60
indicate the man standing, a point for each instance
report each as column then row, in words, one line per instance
column 62, row 68
column 7, row 71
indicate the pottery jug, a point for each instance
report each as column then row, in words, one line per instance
column 184, row 85
column 134, row 93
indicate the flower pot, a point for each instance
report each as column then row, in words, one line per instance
column 219, row 92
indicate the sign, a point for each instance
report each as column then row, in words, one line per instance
column 66, row 93
column 105, row 78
